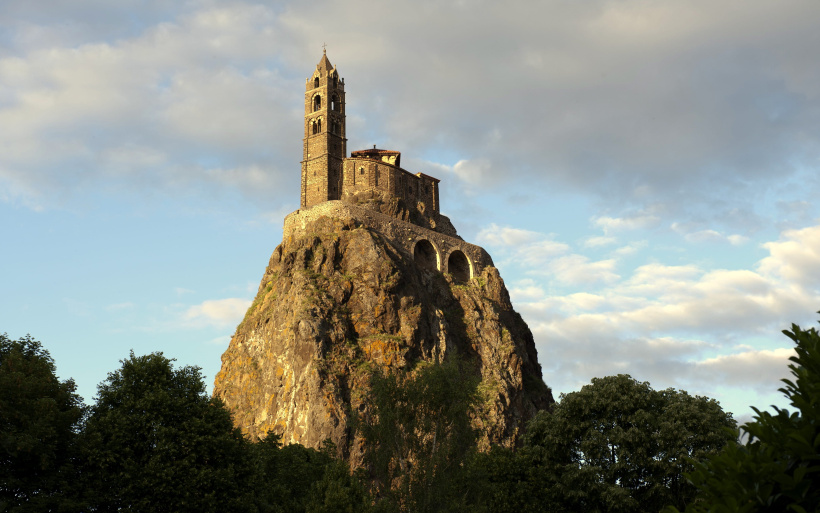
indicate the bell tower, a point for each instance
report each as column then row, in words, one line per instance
column 325, row 144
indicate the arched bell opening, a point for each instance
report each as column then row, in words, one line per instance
column 426, row 256
column 459, row 266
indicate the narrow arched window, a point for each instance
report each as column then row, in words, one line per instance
column 334, row 103
column 319, row 126
column 316, row 82
column 317, row 103
column 313, row 127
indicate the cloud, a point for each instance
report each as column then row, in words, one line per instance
column 795, row 257
column 634, row 222
column 720, row 102
column 474, row 172
column 217, row 312
column 709, row 331
column 578, row 270
column 120, row 306
column 598, row 241
column 691, row 234
column 182, row 106
column 505, row 235
column 762, row 369
column 528, row 247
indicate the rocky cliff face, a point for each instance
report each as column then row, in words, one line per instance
column 337, row 300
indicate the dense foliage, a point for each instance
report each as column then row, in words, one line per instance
column 778, row 468
column 616, row 445
column 155, row 441
column 39, row 419
column 154, row 437
column 417, row 434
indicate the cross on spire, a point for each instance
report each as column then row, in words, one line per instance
column 324, row 48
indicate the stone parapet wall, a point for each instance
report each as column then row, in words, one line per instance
column 403, row 234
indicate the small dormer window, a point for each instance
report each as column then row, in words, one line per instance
column 316, row 82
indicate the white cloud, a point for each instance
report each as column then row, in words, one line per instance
column 120, row 306
column 475, row 172
column 524, row 246
column 634, row 222
column 691, row 234
column 795, row 257
column 710, row 331
column 761, row 369
column 181, row 106
column 624, row 107
column 578, row 270
column 217, row 312
column 598, row 241
column 505, row 235
column 632, row 248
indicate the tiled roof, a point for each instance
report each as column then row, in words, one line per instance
column 373, row 152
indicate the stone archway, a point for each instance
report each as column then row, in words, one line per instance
column 425, row 255
column 459, row 266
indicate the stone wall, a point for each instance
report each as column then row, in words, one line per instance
column 361, row 174
column 449, row 254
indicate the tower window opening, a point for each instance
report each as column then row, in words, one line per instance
column 316, row 82
column 314, row 128
column 319, row 126
column 334, row 103
column 361, row 170
column 317, row 102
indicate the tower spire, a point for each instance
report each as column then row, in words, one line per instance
column 325, row 144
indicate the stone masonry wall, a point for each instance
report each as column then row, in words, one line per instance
column 362, row 174
column 404, row 235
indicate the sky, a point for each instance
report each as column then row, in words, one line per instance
column 643, row 173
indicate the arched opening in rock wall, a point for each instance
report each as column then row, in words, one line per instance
column 459, row 266
column 425, row 255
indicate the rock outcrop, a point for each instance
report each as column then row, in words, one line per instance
column 337, row 300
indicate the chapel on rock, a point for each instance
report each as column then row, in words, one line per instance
column 355, row 286
column 372, row 186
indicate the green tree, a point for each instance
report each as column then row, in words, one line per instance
column 417, row 434
column 527, row 480
column 778, row 468
column 619, row 445
column 156, row 442
column 39, row 418
column 295, row 478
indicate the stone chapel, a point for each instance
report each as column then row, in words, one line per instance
column 372, row 186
